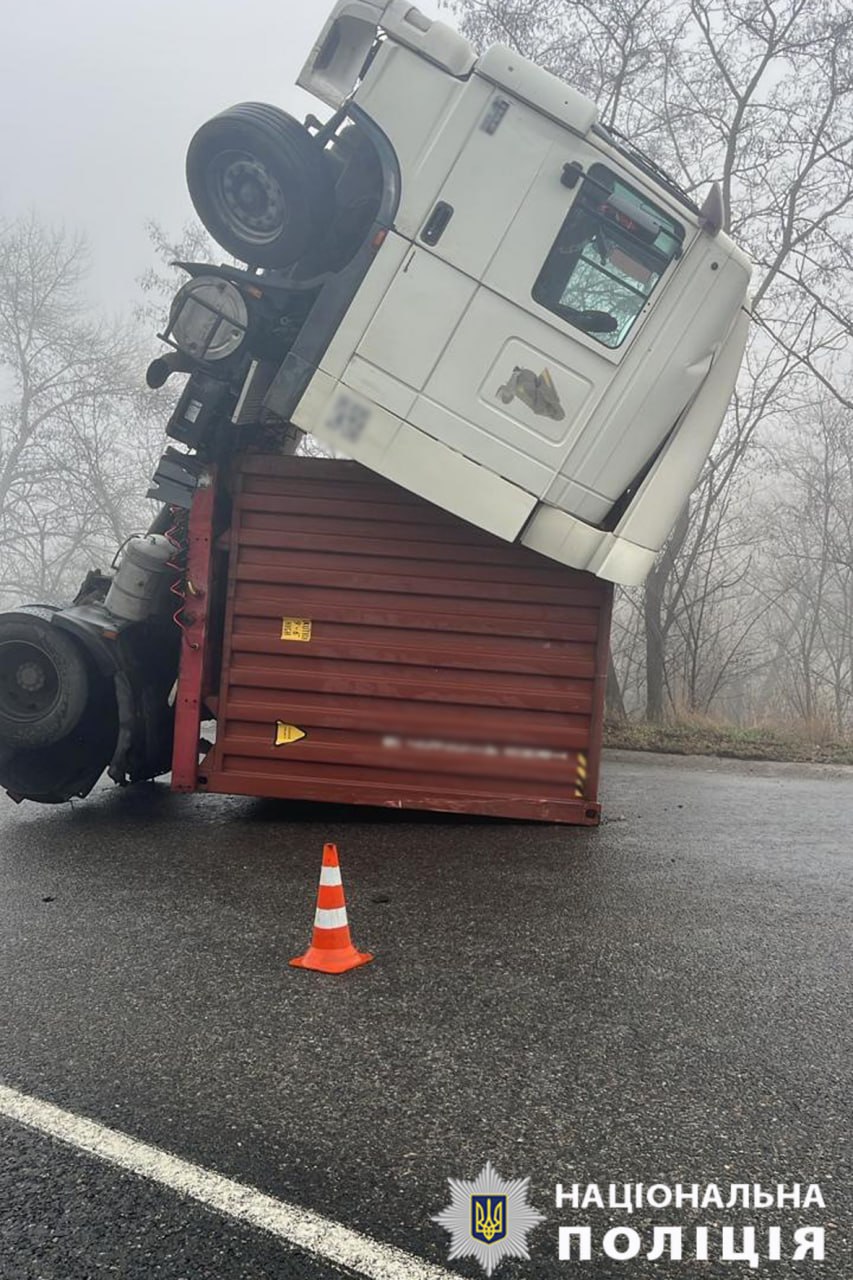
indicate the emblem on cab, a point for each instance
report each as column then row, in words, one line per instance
column 536, row 390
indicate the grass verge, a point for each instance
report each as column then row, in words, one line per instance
column 688, row 739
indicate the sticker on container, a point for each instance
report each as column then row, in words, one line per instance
column 580, row 780
column 287, row 733
column 296, row 629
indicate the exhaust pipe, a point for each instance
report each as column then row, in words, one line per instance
column 164, row 366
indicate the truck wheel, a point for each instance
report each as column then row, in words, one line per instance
column 260, row 185
column 43, row 683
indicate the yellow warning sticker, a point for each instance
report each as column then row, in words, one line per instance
column 580, row 781
column 286, row 733
column 295, row 629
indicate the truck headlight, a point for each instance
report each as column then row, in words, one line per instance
column 209, row 318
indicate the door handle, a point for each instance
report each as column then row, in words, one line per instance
column 436, row 223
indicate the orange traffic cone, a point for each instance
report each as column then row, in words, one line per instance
column 331, row 949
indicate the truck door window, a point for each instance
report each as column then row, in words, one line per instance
column 611, row 251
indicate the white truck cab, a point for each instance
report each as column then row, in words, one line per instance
column 540, row 332
column 460, row 280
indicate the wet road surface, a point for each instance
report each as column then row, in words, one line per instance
column 666, row 999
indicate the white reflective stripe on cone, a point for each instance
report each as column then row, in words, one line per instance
column 330, row 919
column 330, row 875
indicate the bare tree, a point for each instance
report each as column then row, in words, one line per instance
column 808, row 570
column 164, row 277
column 76, row 437
column 758, row 95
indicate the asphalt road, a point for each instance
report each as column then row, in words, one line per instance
column 665, row 999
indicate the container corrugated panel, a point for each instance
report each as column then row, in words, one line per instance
column 378, row 650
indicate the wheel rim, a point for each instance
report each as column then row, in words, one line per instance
column 29, row 682
column 247, row 198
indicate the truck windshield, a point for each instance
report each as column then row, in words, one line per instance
column 611, row 251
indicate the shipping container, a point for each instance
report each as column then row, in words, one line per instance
column 377, row 650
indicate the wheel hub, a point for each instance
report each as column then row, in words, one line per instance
column 249, row 197
column 29, row 683
column 30, row 676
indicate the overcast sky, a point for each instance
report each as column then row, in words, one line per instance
column 99, row 98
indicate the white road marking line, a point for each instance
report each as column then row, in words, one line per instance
column 308, row 1231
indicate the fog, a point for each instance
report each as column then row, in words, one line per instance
column 98, row 102
column 749, row 615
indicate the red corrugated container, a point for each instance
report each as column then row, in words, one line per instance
column 377, row 650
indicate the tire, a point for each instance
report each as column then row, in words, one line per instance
column 44, row 683
column 263, row 189
column 71, row 766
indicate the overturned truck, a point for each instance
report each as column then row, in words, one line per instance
column 521, row 335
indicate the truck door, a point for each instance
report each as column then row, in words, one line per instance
column 549, row 326
column 458, row 319
column 527, row 281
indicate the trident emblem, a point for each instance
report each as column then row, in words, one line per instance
column 488, row 1218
